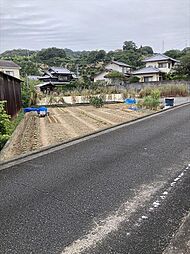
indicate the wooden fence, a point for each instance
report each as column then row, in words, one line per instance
column 10, row 91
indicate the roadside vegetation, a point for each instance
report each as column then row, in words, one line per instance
column 7, row 125
column 150, row 101
column 96, row 102
column 166, row 91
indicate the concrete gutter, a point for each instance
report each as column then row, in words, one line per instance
column 53, row 148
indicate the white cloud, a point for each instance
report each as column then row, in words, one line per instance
column 87, row 24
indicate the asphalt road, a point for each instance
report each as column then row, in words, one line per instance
column 125, row 191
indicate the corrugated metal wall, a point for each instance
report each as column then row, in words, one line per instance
column 10, row 91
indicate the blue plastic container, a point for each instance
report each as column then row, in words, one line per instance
column 169, row 102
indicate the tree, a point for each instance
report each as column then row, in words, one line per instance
column 174, row 53
column 146, row 50
column 115, row 75
column 182, row 70
column 18, row 52
column 96, row 56
column 134, row 79
column 186, row 50
column 129, row 45
column 28, row 68
column 46, row 54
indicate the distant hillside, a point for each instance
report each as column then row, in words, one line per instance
column 18, row 52
column 87, row 63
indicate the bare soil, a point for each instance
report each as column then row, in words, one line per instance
column 64, row 124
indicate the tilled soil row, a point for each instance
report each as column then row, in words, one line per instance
column 64, row 124
column 26, row 138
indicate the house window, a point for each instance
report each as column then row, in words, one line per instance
column 160, row 77
column 162, row 65
column 11, row 73
column 148, row 79
column 124, row 70
column 63, row 78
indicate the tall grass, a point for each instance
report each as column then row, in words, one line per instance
column 166, row 90
column 174, row 90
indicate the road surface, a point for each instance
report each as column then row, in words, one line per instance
column 123, row 191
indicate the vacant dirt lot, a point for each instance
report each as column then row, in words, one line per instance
column 63, row 124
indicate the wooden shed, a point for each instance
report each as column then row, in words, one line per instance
column 10, row 91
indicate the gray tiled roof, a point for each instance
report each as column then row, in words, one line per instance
column 8, row 64
column 158, row 57
column 60, row 70
column 45, row 76
column 121, row 64
column 146, row 70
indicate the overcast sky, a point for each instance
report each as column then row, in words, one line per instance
column 94, row 24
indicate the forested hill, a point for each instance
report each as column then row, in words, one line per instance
column 88, row 62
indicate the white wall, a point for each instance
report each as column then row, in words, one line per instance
column 14, row 71
column 118, row 68
column 100, row 76
column 114, row 67
column 80, row 99
column 166, row 69
column 155, row 77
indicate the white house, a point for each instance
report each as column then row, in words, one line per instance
column 156, row 66
column 113, row 66
column 10, row 68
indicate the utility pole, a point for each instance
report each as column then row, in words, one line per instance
column 163, row 46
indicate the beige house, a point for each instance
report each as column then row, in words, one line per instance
column 148, row 74
column 10, row 68
column 113, row 66
column 156, row 67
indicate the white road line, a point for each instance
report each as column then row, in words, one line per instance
column 113, row 222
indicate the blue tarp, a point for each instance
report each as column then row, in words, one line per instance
column 130, row 101
column 134, row 108
column 26, row 110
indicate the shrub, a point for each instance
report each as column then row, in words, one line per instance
column 5, row 125
column 150, row 102
column 115, row 75
column 155, row 94
column 96, row 102
column 134, row 79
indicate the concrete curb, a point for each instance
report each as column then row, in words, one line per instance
column 29, row 156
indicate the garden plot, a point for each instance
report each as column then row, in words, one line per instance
column 66, row 123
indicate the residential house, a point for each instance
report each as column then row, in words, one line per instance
column 10, row 68
column 113, row 66
column 157, row 66
column 55, row 76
